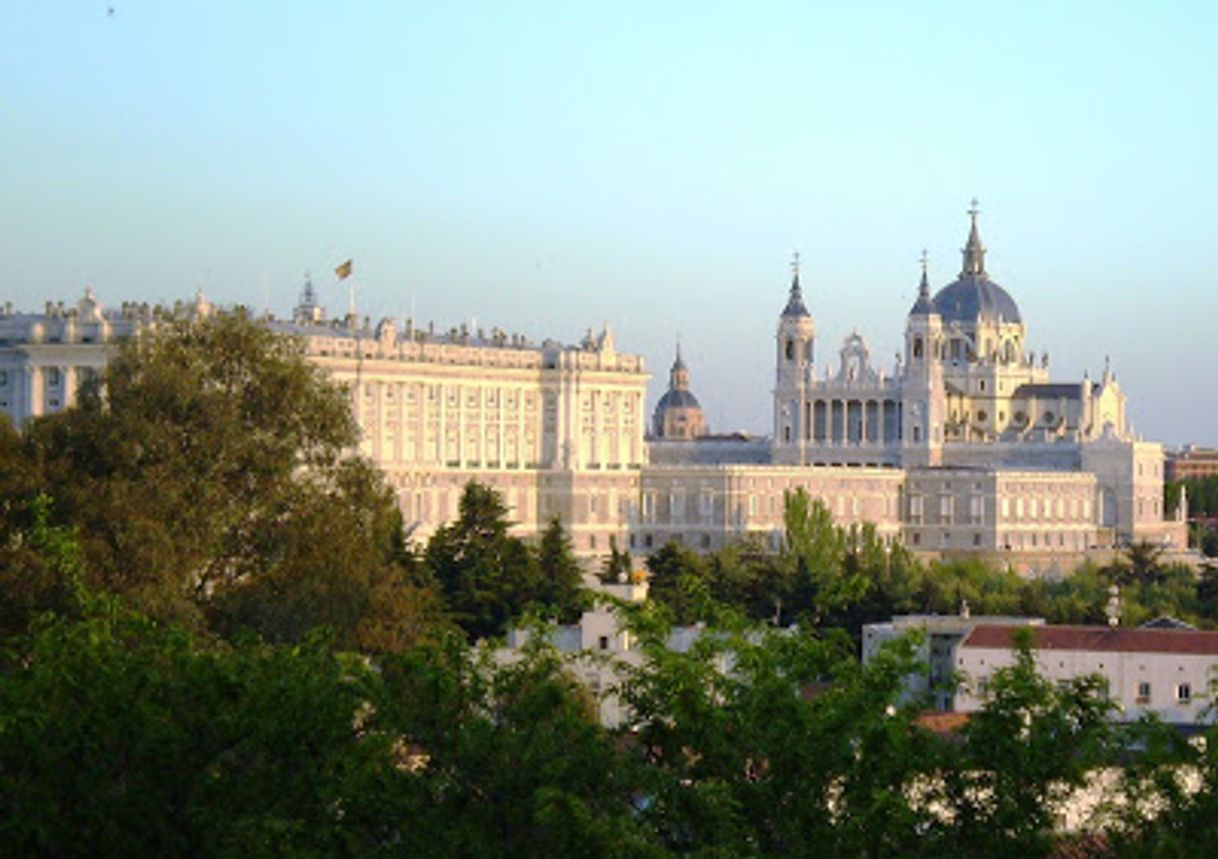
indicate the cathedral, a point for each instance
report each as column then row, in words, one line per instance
column 964, row 447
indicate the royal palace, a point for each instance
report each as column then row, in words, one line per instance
column 965, row 446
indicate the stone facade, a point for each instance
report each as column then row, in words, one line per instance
column 964, row 446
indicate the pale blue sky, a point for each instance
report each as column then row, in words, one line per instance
column 546, row 167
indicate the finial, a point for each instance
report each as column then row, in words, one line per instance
column 678, row 347
column 923, row 259
column 795, row 304
column 974, row 250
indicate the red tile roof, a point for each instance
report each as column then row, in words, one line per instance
column 1099, row 638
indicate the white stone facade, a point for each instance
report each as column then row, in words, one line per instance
column 1167, row 672
column 965, row 446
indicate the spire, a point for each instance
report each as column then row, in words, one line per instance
column 795, row 303
column 974, row 251
column 923, row 306
column 678, row 376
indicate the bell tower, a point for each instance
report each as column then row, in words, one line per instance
column 793, row 342
column 923, row 396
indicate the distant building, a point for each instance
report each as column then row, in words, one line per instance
column 1164, row 671
column 678, row 416
column 598, row 647
column 964, row 447
column 1191, row 463
column 941, row 638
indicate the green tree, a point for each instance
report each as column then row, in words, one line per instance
column 209, row 474
column 677, row 580
column 516, row 762
column 814, row 554
column 560, row 588
column 1032, row 744
column 490, row 578
column 618, row 567
column 757, row 741
column 121, row 737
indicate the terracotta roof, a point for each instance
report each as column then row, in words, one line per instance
column 1099, row 638
column 943, row 724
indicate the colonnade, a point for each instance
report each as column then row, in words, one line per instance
column 852, row 421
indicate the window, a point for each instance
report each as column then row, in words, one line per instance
column 53, row 376
column 790, row 349
column 603, row 642
column 1184, row 693
column 1143, row 696
column 3, row 378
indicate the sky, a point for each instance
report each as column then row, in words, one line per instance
column 551, row 167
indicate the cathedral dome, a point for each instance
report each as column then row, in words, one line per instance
column 678, row 415
column 973, row 297
column 677, row 400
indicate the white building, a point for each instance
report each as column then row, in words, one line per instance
column 1167, row 672
column 940, row 638
column 599, row 650
column 965, row 446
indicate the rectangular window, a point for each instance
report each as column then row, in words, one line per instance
column 1143, row 696
column 1184, row 693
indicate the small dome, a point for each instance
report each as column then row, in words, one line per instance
column 975, row 298
column 677, row 400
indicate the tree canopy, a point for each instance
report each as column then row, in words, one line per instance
column 209, row 474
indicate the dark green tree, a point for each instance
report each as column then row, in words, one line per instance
column 1032, row 744
column 618, row 567
column 208, row 472
column 677, row 580
column 813, row 556
column 121, row 737
column 490, row 578
column 560, row 588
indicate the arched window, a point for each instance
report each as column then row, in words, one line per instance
column 790, row 350
column 917, row 347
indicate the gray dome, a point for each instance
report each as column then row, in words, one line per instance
column 677, row 400
column 974, row 298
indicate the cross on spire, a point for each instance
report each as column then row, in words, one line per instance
column 974, row 250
